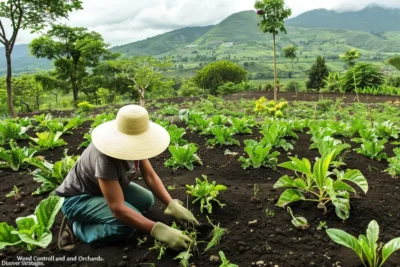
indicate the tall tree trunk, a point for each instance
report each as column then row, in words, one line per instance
column 275, row 76
column 141, row 97
column 75, row 90
column 9, row 85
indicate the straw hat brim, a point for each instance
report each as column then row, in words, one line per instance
column 111, row 142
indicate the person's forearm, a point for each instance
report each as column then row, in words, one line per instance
column 158, row 189
column 134, row 219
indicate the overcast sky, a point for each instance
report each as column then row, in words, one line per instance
column 125, row 21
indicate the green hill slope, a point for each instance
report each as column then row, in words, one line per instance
column 371, row 19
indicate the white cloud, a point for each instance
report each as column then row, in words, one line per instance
column 124, row 21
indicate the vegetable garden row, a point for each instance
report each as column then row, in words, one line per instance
column 273, row 184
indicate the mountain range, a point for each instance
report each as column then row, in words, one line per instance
column 375, row 31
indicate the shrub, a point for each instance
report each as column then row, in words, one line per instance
column 85, row 106
column 229, row 88
column 362, row 75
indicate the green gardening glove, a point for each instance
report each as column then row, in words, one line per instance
column 180, row 213
column 174, row 238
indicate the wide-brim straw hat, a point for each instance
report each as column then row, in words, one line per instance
column 131, row 136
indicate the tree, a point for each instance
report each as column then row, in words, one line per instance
column 73, row 50
column 395, row 62
column 144, row 73
column 362, row 75
column 272, row 14
column 51, row 84
column 27, row 89
column 350, row 57
column 218, row 73
column 28, row 14
column 317, row 75
column 290, row 53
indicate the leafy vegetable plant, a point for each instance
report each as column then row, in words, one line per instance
column 205, row 192
column 49, row 175
column 176, row 135
column 394, row 164
column 274, row 134
column 15, row 157
column 225, row 262
column 12, row 131
column 223, row 136
column 297, row 221
column 373, row 149
column 328, row 144
column 259, row 155
column 32, row 231
column 317, row 185
column 48, row 140
column 183, row 157
column 14, row 193
column 387, row 130
column 217, row 233
column 242, row 125
column 366, row 246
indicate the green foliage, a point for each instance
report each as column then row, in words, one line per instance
column 32, row 231
column 274, row 133
column 48, row 140
column 216, row 74
column 272, row 14
column 229, row 88
column 12, row 131
column 362, row 75
column 198, row 122
column 217, row 233
column 394, row 164
column 102, row 118
column 15, row 157
column 176, row 135
column 373, row 149
column 260, row 154
column 317, row 75
column 366, row 246
column 387, row 130
column 350, row 57
column 49, row 175
column 333, row 81
column 104, row 95
column 395, row 62
column 297, row 221
column 85, row 106
column 327, row 144
column 183, row 157
column 225, row 262
column 205, row 192
column 316, row 184
column 14, row 193
column 223, row 136
column 242, row 125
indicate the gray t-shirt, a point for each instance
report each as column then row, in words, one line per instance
column 83, row 177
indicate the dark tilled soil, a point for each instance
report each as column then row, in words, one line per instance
column 273, row 239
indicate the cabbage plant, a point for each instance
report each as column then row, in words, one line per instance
column 183, row 157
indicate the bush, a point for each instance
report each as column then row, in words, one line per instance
column 362, row 75
column 229, row 88
column 317, row 75
column 293, row 87
column 85, row 106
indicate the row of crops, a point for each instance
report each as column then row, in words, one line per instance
column 335, row 129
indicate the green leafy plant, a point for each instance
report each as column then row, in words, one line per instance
column 259, row 155
column 102, row 118
column 176, row 135
column 88, row 139
column 48, row 140
column 198, row 122
column 32, row 231
column 365, row 135
column 394, row 164
column 14, row 158
column 85, row 106
column 12, row 131
column 317, row 185
column 205, row 192
column 183, row 157
column 49, row 175
column 14, row 193
column 223, row 136
column 387, row 130
column 297, row 221
column 225, row 262
column 242, row 125
column 274, row 133
column 322, row 225
column 328, row 144
column 373, row 149
column 160, row 247
column 217, row 233
column 366, row 246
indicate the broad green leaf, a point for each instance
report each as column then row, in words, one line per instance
column 355, row 176
column 283, row 182
column 339, row 199
column 342, row 186
column 320, row 171
column 368, row 251
column 26, row 223
column 289, row 196
column 47, row 211
column 6, row 237
column 220, row 188
column 387, row 250
column 43, row 240
column 342, row 238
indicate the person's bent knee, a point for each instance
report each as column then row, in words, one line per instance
column 149, row 200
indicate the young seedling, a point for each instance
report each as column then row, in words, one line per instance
column 185, row 256
column 217, row 233
column 160, row 247
column 298, row 222
column 269, row 212
column 322, row 225
column 14, row 193
column 171, row 187
column 366, row 246
column 140, row 242
column 254, row 198
column 225, row 262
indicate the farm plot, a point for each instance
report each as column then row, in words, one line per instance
column 256, row 174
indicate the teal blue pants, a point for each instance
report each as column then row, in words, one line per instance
column 93, row 221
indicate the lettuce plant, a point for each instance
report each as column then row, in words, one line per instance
column 183, row 157
column 328, row 144
column 32, row 231
column 373, row 149
column 176, row 135
column 387, row 130
column 217, row 233
column 366, row 246
column 365, row 135
column 242, row 125
column 49, row 175
column 223, row 136
column 259, row 155
column 205, row 192
column 12, row 131
column 48, row 140
column 219, row 120
column 198, row 122
column 88, row 139
column 317, row 185
column 394, row 164
column 101, row 118
column 15, row 157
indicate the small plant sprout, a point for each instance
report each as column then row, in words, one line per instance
column 217, row 234
column 160, row 247
column 225, row 262
column 171, row 187
column 140, row 242
column 255, row 191
column 322, row 225
column 14, row 193
column 298, row 222
column 269, row 212
column 366, row 246
column 185, row 256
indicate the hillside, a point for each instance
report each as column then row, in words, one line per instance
column 373, row 18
